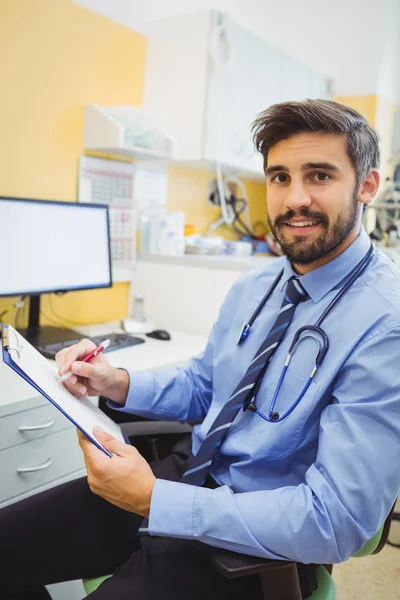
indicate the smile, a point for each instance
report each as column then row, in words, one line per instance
column 301, row 223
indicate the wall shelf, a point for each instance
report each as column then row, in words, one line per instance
column 124, row 131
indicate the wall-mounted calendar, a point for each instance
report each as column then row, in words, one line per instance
column 110, row 182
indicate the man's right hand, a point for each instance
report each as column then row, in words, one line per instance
column 94, row 378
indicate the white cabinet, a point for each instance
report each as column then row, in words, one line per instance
column 39, row 449
column 236, row 96
column 38, row 445
column 208, row 110
column 294, row 79
column 176, row 78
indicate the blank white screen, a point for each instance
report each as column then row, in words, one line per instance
column 46, row 246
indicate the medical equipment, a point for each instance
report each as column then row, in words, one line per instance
column 322, row 341
column 223, row 60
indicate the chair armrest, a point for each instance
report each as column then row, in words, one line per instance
column 233, row 564
column 385, row 531
column 145, row 428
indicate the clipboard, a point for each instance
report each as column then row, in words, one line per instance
column 43, row 376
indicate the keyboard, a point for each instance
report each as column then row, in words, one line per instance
column 118, row 341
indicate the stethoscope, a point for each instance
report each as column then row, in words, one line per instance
column 314, row 330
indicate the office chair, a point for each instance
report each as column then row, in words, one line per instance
column 279, row 579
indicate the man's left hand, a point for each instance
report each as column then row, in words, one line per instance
column 125, row 480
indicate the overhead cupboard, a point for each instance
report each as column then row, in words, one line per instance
column 207, row 78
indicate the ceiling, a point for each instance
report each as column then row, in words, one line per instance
column 355, row 43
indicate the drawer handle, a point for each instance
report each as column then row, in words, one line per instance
column 37, row 427
column 38, row 468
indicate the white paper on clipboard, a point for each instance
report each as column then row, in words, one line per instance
column 110, row 182
column 41, row 374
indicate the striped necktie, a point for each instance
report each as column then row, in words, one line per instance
column 200, row 465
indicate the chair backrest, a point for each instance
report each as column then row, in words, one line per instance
column 375, row 544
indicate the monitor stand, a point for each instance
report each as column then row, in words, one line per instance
column 37, row 335
column 47, row 335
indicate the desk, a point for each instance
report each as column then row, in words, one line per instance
column 46, row 434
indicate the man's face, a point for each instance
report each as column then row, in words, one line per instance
column 312, row 204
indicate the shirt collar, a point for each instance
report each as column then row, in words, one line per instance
column 322, row 280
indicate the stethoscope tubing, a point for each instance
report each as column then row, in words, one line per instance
column 358, row 271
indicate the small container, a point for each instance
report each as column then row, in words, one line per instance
column 391, row 241
column 138, row 308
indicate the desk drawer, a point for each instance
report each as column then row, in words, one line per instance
column 31, row 425
column 35, row 463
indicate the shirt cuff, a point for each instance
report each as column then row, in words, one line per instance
column 140, row 392
column 171, row 509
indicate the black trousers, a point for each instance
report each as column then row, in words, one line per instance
column 69, row 533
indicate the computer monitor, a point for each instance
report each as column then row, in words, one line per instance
column 47, row 247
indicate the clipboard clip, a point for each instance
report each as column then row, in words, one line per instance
column 7, row 346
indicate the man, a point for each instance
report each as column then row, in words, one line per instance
column 308, row 475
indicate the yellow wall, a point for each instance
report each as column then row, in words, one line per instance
column 384, row 123
column 55, row 57
column 380, row 113
column 188, row 191
column 366, row 105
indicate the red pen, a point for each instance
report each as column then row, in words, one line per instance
column 91, row 355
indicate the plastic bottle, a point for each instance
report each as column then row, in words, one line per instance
column 138, row 307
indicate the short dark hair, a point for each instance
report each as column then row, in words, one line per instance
column 281, row 121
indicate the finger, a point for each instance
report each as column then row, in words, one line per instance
column 72, row 380
column 92, row 454
column 76, row 386
column 60, row 357
column 82, row 369
column 82, row 438
column 77, row 383
column 110, row 443
column 75, row 352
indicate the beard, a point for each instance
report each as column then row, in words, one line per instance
column 304, row 252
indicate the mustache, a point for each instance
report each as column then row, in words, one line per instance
column 303, row 212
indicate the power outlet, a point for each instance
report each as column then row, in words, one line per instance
column 213, row 193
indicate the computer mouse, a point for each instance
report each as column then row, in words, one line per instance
column 159, row 334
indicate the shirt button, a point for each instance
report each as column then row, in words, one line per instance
column 217, row 456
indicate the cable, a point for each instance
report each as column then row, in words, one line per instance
column 52, row 321
column 17, row 314
column 4, row 313
column 228, row 218
column 55, row 319
column 237, row 212
column 222, row 55
column 220, row 50
column 21, row 311
column 220, row 66
column 242, row 230
column 25, row 314
column 63, row 320
column 19, row 304
column 235, row 180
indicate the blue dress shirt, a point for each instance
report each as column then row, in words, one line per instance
column 316, row 486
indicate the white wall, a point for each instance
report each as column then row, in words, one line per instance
column 182, row 297
column 389, row 72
